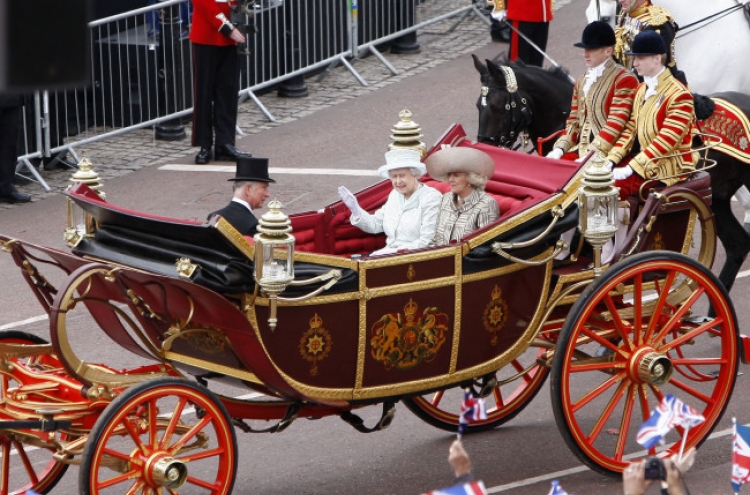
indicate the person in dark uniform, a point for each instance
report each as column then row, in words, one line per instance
column 216, row 80
column 250, row 188
column 641, row 15
column 10, row 123
column 530, row 17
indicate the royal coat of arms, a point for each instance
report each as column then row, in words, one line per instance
column 495, row 314
column 315, row 343
column 404, row 341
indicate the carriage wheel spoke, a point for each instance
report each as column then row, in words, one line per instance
column 5, row 467
column 194, row 430
column 202, row 483
column 627, row 415
column 173, row 422
column 676, row 318
column 682, row 339
column 597, row 391
column 26, row 462
column 607, row 413
column 692, row 391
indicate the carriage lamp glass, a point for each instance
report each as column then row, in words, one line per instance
column 597, row 203
column 80, row 223
column 273, row 269
column 274, row 249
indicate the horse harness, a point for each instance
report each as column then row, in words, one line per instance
column 517, row 115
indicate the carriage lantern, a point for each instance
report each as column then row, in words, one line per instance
column 80, row 223
column 597, row 206
column 274, row 250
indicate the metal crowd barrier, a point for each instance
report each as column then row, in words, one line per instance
column 141, row 63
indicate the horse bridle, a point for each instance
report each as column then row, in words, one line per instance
column 517, row 116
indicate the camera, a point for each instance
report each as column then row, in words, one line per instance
column 655, row 469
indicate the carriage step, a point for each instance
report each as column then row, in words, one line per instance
column 389, row 410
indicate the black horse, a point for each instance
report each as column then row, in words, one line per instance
column 520, row 99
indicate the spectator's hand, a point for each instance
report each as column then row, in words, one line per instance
column 237, row 36
column 634, row 480
column 500, row 15
column 556, row 153
column 674, row 478
column 349, row 200
column 622, row 173
column 459, row 459
column 684, row 464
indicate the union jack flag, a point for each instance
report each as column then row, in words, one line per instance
column 557, row 489
column 670, row 412
column 474, row 488
column 740, row 456
column 472, row 409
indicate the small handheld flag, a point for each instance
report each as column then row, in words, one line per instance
column 740, row 456
column 472, row 409
column 474, row 488
column 557, row 489
column 670, row 412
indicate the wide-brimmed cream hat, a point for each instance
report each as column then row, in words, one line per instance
column 459, row 159
column 402, row 159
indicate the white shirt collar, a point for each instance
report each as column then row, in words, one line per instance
column 651, row 83
column 243, row 203
column 592, row 74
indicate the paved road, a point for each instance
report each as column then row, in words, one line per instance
column 327, row 456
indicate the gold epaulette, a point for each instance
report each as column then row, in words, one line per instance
column 659, row 16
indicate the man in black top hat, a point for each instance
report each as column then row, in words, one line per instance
column 250, row 191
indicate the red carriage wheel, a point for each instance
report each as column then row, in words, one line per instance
column 615, row 361
column 161, row 436
column 26, row 467
column 517, row 384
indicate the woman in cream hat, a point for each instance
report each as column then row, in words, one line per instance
column 466, row 207
column 409, row 214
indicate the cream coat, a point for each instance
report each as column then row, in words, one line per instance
column 407, row 224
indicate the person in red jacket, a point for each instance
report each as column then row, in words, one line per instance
column 216, row 80
column 530, row 17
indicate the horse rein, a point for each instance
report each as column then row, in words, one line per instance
column 517, row 115
column 713, row 18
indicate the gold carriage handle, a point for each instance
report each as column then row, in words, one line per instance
column 331, row 276
column 500, row 247
column 710, row 141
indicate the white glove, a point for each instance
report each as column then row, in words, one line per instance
column 621, row 173
column 610, row 165
column 349, row 200
column 556, row 153
column 500, row 15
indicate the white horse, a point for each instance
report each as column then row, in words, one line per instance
column 711, row 49
column 713, row 52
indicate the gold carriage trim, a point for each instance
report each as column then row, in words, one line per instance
column 315, row 343
column 405, row 344
column 495, row 314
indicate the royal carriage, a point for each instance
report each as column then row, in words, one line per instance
column 311, row 326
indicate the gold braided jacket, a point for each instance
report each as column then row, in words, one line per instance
column 662, row 125
column 597, row 119
column 645, row 16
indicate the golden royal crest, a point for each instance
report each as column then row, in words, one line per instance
column 315, row 344
column 210, row 341
column 495, row 314
column 658, row 243
column 405, row 344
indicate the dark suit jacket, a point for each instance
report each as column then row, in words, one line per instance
column 239, row 216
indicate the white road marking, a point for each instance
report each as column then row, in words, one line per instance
column 580, row 469
column 176, row 167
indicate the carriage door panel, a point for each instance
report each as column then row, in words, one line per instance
column 408, row 321
column 496, row 311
